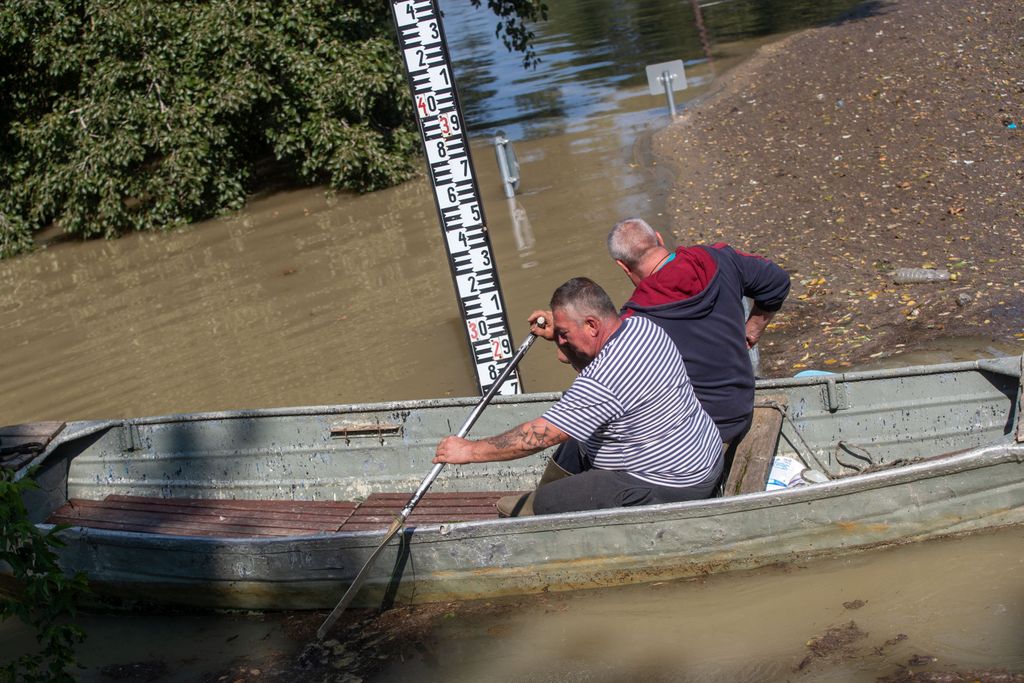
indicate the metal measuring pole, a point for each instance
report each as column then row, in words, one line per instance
column 508, row 164
column 666, row 79
column 456, row 193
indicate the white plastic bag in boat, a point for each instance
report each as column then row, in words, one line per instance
column 785, row 474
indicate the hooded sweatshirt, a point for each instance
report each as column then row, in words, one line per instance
column 697, row 297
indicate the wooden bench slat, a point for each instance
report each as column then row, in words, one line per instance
column 402, row 498
column 381, row 523
column 114, row 510
column 385, row 520
column 451, row 513
column 218, row 530
column 255, row 510
column 434, row 502
column 92, row 517
column 379, row 509
column 38, row 431
column 297, row 506
column 180, row 507
column 245, row 518
column 429, row 505
column 755, row 453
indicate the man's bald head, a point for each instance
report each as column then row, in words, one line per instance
column 631, row 240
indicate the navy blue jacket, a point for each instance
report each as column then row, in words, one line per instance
column 697, row 297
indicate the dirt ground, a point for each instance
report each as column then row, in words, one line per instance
column 892, row 138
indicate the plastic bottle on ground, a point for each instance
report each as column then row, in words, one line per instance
column 906, row 276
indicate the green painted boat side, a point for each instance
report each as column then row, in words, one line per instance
column 940, row 440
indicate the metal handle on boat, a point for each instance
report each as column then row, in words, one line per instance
column 399, row 521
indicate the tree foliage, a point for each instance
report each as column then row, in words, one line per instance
column 45, row 597
column 121, row 115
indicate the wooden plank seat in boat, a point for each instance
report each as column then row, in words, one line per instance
column 752, row 461
column 205, row 517
column 249, row 518
column 379, row 510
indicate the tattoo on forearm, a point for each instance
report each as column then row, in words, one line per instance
column 503, row 441
column 530, row 437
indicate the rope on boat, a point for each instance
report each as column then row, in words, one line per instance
column 856, row 451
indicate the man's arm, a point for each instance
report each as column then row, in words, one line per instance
column 763, row 281
column 529, row 437
column 756, row 322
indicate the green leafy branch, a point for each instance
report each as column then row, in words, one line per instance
column 42, row 597
column 144, row 115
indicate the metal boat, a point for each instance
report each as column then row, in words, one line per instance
column 280, row 508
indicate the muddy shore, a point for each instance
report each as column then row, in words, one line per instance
column 892, row 138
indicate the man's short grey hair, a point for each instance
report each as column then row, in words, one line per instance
column 630, row 239
column 585, row 297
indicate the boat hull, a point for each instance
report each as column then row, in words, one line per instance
column 905, row 420
column 585, row 550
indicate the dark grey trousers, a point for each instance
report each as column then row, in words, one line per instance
column 593, row 489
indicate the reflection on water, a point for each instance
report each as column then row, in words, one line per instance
column 594, row 53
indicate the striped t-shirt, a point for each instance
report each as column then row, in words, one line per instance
column 632, row 408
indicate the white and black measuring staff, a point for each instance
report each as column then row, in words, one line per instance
column 470, row 256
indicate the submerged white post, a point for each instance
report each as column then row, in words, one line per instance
column 667, row 77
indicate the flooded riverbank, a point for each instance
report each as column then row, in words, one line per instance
column 305, row 298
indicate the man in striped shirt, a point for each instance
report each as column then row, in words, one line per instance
column 630, row 430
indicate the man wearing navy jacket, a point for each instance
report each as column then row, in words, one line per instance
column 696, row 295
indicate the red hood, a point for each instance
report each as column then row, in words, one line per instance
column 687, row 275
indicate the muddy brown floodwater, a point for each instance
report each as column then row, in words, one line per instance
column 302, row 299
column 853, row 619
column 924, row 612
column 309, row 298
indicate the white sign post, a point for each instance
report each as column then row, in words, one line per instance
column 666, row 77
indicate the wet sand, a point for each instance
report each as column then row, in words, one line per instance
column 892, row 138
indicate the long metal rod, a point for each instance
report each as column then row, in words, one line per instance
column 399, row 520
column 666, row 80
column 1020, row 403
